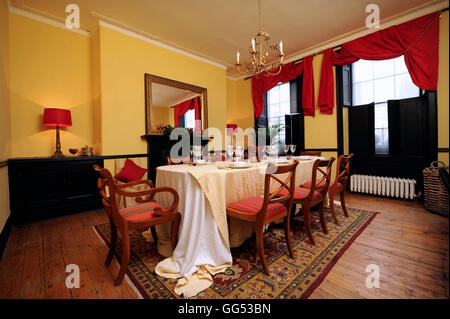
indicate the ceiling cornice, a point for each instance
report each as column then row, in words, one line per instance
column 158, row 43
column 40, row 17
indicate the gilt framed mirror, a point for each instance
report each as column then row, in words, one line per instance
column 174, row 103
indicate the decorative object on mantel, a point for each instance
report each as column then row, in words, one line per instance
column 59, row 118
column 87, row 151
column 261, row 61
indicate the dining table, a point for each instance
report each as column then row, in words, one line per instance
column 205, row 234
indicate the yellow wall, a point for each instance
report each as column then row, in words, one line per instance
column 49, row 67
column 240, row 103
column 5, row 149
column 161, row 115
column 123, row 61
column 443, row 84
column 96, row 91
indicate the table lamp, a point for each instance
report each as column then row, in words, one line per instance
column 58, row 118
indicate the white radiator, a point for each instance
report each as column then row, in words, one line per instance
column 385, row 186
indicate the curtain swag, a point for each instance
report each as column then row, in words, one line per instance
column 417, row 40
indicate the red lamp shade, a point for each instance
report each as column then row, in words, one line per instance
column 57, row 117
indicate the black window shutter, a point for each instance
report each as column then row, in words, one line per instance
column 361, row 135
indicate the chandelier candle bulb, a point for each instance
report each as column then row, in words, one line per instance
column 281, row 48
column 253, row 45
column 237, row 58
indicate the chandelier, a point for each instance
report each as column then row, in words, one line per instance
column 261, row 62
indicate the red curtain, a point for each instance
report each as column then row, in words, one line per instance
column 288, row 72
column 417, row 40
column 183, row 107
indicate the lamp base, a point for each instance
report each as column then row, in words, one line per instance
column 58, row 154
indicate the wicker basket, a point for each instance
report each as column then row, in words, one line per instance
column 436, row 195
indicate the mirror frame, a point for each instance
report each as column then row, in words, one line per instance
column 150, row 78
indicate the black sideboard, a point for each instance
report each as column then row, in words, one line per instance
column 42, row 188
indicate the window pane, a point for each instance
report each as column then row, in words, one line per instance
column 189, row 119
column 278, row 105
column 381, row 129
column 404, row 87
column 285, row 108
column 285, row 92
column 363, row 93
column 274, row 95
column 362, row 71
column 400, row 66
column 383, row 68
column 384, row 89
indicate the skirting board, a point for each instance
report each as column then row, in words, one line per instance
column 4, row 235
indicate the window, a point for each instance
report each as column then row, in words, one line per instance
column 278, row 105
column 189, row 119
column 378, row 82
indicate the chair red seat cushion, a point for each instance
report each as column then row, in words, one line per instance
column 141, row 212
column 254, row 204
column 308, row 184
column 130, row 172
column 301, row 192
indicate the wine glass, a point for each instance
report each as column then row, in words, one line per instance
column 197, row 149
column 73, row 151
column 239, row 152
column 293, row 147
column 230, row 150
column 191, row 151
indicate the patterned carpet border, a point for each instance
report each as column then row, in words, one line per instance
column 142, row 261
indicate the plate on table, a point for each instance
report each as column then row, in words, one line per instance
column 239, row 165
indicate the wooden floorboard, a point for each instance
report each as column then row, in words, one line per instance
column 408, row 243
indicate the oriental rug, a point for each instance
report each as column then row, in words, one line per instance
column 289, row 278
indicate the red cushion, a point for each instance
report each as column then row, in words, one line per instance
column 301, row 192
column 254, row 204
column 130, row 172
column 141, row 212
column 308, row 184
column 338, row 187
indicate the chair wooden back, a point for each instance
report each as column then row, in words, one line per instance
column 283, row 183
column 323, row 167
column 106, row 185
column 311, row 153
column 343, row 169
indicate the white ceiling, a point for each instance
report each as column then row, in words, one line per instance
column 166, row 96
column 216, row 29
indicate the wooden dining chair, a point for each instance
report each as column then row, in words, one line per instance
column 339, row 185
column 146, row 213
column 310, row 153
column 269, row 208
column 312, row 196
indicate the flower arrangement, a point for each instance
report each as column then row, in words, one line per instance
column 160, row 127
